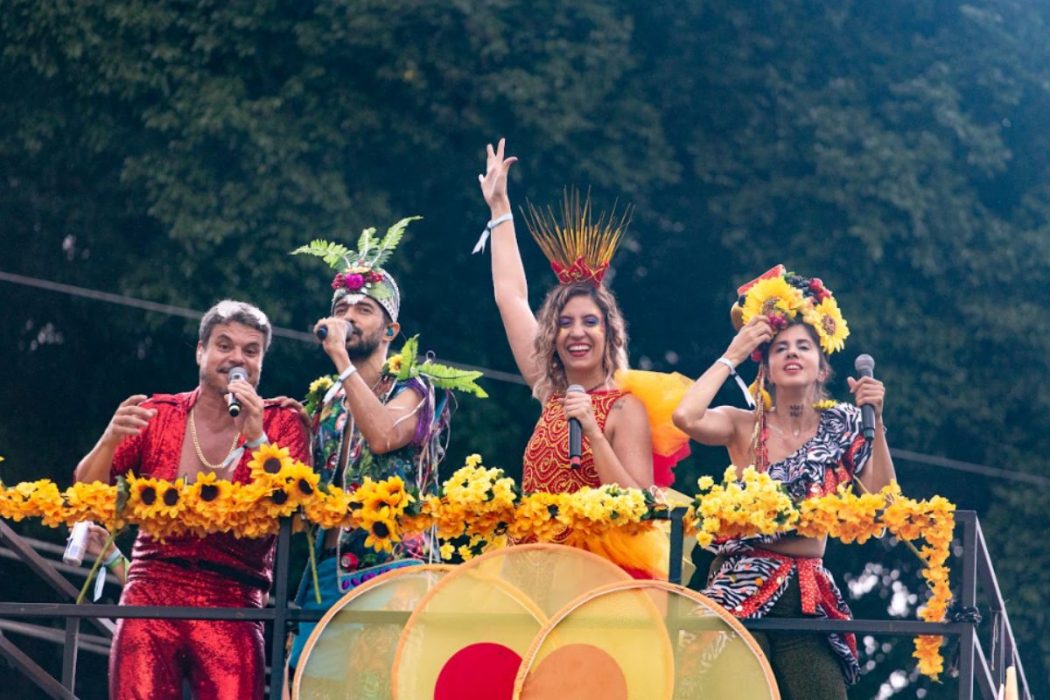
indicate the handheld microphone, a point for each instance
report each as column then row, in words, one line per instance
column 233, row 404
column 322, row 331
column 575, row 434
column 865, row 366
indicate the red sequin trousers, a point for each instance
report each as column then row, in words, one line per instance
column 222, row 659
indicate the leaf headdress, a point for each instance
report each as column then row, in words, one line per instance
column 360, row 271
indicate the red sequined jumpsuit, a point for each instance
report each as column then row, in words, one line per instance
column 221, row 658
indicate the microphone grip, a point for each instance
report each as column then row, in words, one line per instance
column 867, row 412
column 233, row 404
column 575, row 443
column 322, row 332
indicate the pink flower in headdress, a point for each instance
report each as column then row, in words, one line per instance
column 337, row 281
column 353, row 281
column 374, row 276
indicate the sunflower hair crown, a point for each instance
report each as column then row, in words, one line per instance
column 785, row 297
column 578, row 247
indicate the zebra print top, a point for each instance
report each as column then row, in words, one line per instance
column 750, row 580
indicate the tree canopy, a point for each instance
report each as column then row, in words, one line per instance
column 178, row 152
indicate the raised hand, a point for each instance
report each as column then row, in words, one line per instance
column 756, row 332
column 129, row 419
column 494, row 181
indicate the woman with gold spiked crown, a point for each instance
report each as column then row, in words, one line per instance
column 577, row 338
column 789, row 324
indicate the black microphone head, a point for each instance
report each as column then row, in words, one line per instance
column 237, row 373
column 321, row 332
column 575, row 389
column 864, row 364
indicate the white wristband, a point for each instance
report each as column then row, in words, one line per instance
column 736, row 377
column 728, row 363
column 479, row 247
column 350, row 369
column 112, row 558
column 338, row 384
column 499, row 220
column 257, row 442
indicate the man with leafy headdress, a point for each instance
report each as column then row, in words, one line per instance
column 378, row 418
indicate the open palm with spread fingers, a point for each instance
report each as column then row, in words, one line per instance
column 494, row 181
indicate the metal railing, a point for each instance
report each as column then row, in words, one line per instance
column 987, row 670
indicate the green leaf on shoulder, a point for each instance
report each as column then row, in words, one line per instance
column 445, row 377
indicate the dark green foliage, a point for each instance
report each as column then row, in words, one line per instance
column 177, row 151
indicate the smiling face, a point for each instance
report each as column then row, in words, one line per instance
column 795, row 359
column 580, row 341
column 230, row 345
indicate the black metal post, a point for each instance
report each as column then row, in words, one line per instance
column 674, row 566
column 280, row 608
column 69, row 653
column 968, row 598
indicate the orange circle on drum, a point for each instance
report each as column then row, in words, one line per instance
column 560, row 673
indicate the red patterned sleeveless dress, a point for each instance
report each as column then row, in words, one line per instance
column 545, row 467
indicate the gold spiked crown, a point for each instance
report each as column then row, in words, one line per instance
column 578, row 248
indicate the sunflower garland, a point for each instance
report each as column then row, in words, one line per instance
column 480, row 508
column 754, row 504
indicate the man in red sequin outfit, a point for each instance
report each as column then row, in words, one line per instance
column 168, row 436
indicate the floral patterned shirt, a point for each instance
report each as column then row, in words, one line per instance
column 416, row 464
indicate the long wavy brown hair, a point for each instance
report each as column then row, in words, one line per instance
column 614, row 355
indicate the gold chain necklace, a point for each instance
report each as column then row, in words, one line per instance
column 197, row 444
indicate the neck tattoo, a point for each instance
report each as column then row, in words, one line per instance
column 795, row 410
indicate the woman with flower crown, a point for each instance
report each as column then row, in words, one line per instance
column 789, row 325
column 577, row 338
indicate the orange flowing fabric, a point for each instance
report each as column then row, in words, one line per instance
column 660, row 393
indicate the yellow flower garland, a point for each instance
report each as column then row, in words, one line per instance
column 483, row 507
column 757, row 505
